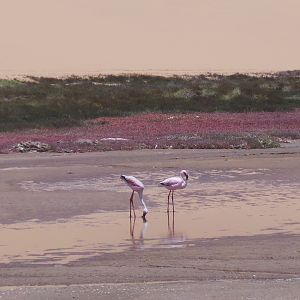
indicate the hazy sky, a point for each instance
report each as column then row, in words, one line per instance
column 83, row 36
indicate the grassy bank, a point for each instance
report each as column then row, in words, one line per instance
column 53, row 102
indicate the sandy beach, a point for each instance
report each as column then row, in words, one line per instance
column 66, row 234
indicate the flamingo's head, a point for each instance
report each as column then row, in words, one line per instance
column 184, row 174
column 144, row 215
column 145, row 211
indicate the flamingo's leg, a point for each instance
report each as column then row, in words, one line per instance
column 133, row 205
column 130, row 204
column 173, row 227
column 169, row 222
column 132, row 223
column 173, row 200
column 168, row 201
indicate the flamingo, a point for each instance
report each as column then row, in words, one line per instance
column 136, row 186
column 175, row 183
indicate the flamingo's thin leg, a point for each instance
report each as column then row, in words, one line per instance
column 133, row 210
column 173, row 224
column 168, row 201
column 173, row 200
column 132, row 224
column 131, row 203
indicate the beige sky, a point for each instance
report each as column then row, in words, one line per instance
column 85, row 36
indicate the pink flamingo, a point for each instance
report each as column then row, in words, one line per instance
column 175, row 183
column 136, row 186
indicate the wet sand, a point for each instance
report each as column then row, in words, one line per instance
column 222, row 289
column 64, row 220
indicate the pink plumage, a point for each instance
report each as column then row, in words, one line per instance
column 136, row 186
column 133, row 183
column 175, row 183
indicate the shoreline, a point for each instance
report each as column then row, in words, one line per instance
column 264, row 257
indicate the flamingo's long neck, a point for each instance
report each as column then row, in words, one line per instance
column 142, row 201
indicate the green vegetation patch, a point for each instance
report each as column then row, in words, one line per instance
column 55, row 102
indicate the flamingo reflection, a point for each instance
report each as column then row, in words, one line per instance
column 171, row 228
column 138, row 243
column 174, row 239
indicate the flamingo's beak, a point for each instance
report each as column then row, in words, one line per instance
column 187, row 176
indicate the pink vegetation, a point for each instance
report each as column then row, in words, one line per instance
column 151, row 129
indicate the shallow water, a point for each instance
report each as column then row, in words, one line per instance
column 216, row 203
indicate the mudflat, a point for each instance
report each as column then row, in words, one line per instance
column 235, row 231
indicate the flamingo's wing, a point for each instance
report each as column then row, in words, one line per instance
column 171, row 181
column 132, row 181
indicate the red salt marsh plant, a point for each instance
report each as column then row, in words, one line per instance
column 192, row 130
